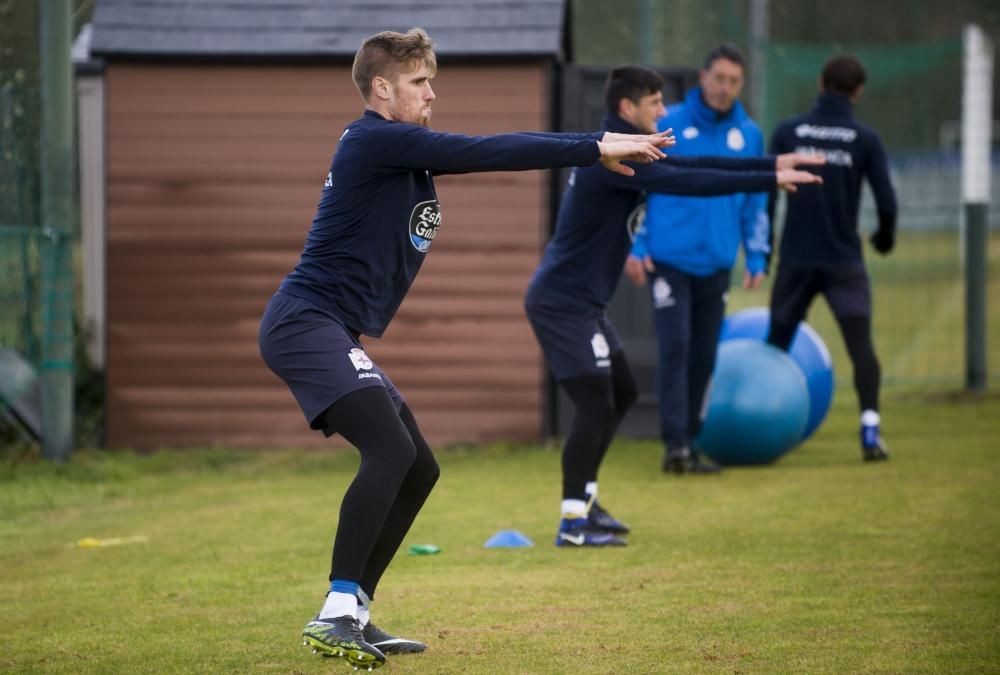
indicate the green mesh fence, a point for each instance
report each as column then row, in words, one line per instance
column 37, row 285
column 912, row 98
column 21, row 320
column 912, row 95
column 20, row 294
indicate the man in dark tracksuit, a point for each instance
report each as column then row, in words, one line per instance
column 820, row 246
column 377, row 218
column 580, row 269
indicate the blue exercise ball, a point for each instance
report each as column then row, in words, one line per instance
column 807, row 350
column 758, row 404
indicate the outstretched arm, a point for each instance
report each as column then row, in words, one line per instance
column 409, row 146
column 663, row 139
column 789, row 160
column 669, row 179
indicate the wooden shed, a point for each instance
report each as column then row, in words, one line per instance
column 220, row 123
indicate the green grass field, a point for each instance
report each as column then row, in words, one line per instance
column 819, row 564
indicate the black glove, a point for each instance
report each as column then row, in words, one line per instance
column 883, row 240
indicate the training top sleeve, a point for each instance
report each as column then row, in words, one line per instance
column 565, row 135
column 877, row 173
column 664, row 176
column 408, row 146
column 764, row 163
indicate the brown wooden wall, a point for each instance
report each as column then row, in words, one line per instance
column 213, row 176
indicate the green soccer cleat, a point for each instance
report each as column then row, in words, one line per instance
column 341, row 637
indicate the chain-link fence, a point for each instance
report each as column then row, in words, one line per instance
column 912, row 99
column 20, row 230
column 38, row 217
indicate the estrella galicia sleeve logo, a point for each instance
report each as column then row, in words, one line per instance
column 424, row 223
column 636, row 221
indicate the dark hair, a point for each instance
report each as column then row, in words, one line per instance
column 843, row 75
column 631, row 82
column 727, row 51
column 387, row 54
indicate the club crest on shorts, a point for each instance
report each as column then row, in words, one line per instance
column 360, row 359
column 601, row 349
column 424, row 223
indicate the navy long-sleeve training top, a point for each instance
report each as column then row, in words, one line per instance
column 583, row 261
column 379, row 213
column 821, row 222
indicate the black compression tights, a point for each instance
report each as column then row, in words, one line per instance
column 396, row 474
column 857, row 332
column 600, row 403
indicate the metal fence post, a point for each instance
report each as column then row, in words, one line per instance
column 977, row 126
column 57, row 198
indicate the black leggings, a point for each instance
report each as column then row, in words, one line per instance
column 857, row 332
column 396, row 475
column 600, row 403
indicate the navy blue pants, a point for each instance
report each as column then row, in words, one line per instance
column 687, row 313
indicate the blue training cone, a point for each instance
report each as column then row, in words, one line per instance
column 508, row 539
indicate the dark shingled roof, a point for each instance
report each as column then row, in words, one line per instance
column 310, row 28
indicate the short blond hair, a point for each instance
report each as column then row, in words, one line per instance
column 388, row 53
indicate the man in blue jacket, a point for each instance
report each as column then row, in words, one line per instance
column 567, row 299
column 377, row 218
column 688, row 246
column 820, row 246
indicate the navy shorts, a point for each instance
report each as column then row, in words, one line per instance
column 316, row 356
column 575, row 343
column 845, row 287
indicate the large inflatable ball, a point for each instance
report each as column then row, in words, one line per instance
column 807, row 349
column 758, row 404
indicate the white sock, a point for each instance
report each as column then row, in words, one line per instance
column 339, row 604
column 364, row 615
column 870, row 418
column 574, row 508
column 591, row 489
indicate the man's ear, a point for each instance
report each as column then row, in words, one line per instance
column 626, row 109
column 381, row 88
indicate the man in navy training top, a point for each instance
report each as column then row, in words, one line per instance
column 688, row 246
column 820, row 247
column 377, row 217
column 579, row 271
